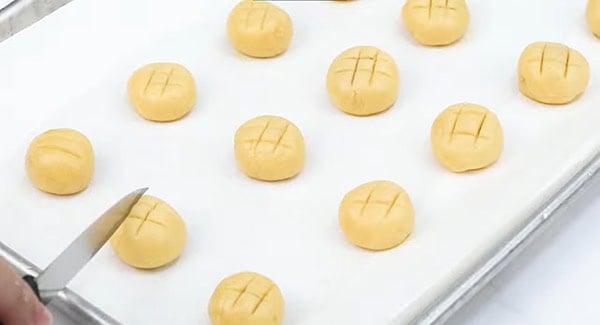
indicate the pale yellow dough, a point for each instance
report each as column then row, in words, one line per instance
column 377, row 215
column 246, row 298
column 552, row 73
column 152, row 236
column 60, row 161
column 269, row 148
column 436, row 22
column 259, row 29
column 363, row 80
column 162, row 92
column 467, row 137
column 592, row 16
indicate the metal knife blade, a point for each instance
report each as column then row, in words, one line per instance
column 20, row 14
column 60, row 271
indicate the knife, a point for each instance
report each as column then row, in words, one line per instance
column 17, row 15
column 60, row 271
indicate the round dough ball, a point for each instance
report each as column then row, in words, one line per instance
column 592, row 16
column 162, row 92
column 60, row 161
column 153, row 235
column 246, row 298
column 377, row 215
column 269, row 148
column 466, row 137
column 259, row 29
column 436, row 22
column 552, row 73
column 363, row 80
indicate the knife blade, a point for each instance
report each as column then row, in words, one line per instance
column 64, row 267
column 20, row 14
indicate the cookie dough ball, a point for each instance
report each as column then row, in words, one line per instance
column 592, row 16
column 60, row 161
column 436, row 22
column 466, row 137
column 162, row 92
column 246, row 298
column 552, row 73
column 259, row 29
column 269, row 148
column 377, row 215
column 363, row 81
column 152, row 236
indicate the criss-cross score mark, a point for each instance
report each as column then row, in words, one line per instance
column 260, row 296
column 389, row 204
column 374, row 60
column 476, row 134
column 431, row 6
column 276, row 143
column 152, row 83
column 146, row 219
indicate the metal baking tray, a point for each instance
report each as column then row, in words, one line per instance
column 138, row 34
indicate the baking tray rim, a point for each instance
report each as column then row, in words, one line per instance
column 507, row 249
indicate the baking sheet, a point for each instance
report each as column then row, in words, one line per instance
column 70, row 70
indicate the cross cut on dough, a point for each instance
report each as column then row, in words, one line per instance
column 160, row 81
column 466, row 136
column 468, row 124
column 269, row 148
column 552, row 73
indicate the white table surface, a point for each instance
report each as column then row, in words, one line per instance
column 554, row 281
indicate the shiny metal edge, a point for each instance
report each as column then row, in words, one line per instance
column 66, row 301
column 20, row 14
column 441, row 311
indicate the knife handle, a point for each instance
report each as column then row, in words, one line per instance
column 32, row 284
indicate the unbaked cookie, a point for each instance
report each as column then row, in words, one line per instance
column 436, row 22
column 592, row 16
column 552, row 73
column 377, row 215
column 259, row 29
column 363, row 80
column 153, row 234
column 466, row 137
column 269, row 148
column 162, row 92
column 246, row 298
column 60, row 161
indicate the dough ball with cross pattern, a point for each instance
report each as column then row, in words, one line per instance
column 466, row 137
column 269, row 148
column 436, row 22
column 60, row 161
column 152, row 236
column 162, row 92
column 377, row 215
column 363, row 80
column 552, row 73
column 259, row 29
column 246, row 298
